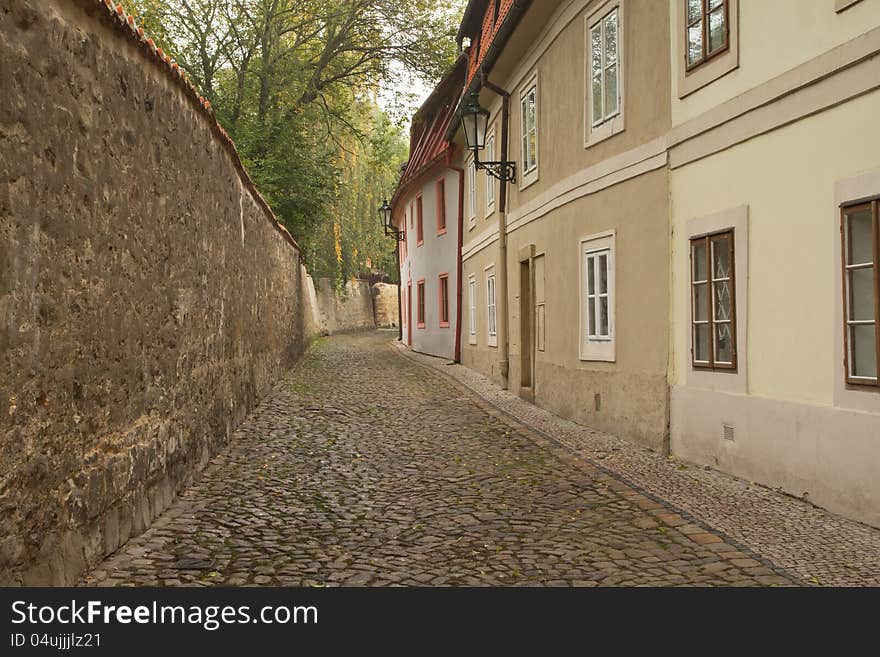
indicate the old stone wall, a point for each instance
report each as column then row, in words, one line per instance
column 385, row 305
column 148, row 298
column 349, row 309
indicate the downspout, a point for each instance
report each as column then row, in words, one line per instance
column 501, row 274
column 399, row 284
column 458, row 267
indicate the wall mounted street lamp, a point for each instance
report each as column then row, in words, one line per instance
column 475, row 125
column 390, row 229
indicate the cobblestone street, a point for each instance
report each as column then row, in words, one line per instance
column 367, row 468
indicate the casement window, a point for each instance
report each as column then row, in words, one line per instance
column 490, row 310
column 529, row 125
column 472, row 190
column 597, row 297
column 605, row 67
column 707, row 29
column 411, row 214
column 860, row 231
column 420, row 303
column 472, row 310
column 490, row 181
column 713, row 301
column 441, row 206
column 420, row 228
column 443, row 292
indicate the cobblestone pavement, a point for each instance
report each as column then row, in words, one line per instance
column 366, row 468
column 819, row 547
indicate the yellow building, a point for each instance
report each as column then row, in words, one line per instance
column 774, row 147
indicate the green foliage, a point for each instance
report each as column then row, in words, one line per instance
column 295, row 84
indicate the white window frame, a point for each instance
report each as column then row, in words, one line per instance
column 529, row 174
column 491, row 307
column 471, row 181
column 597, row 347
column 490, row 181
column 596, row 130
column 472, row 309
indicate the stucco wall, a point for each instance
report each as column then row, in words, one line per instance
column 765, row 51
column 148, row 299
column 437, row 255
column 792, row 429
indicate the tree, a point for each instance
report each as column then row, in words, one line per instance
column 294, row 82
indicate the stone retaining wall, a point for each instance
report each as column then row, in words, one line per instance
column 148, row 297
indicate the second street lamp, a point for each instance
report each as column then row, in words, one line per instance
column 475, row 125
column 385, row 212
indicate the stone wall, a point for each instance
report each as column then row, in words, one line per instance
column 385, row 306
column 148, row 297
column 349, row 309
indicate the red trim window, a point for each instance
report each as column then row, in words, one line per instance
column 443, row 292
column 420, row 293
column 441, row 207
column 420, row 228
column 411, row 214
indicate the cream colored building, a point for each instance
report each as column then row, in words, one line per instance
column 585, row 317
column 774, row 139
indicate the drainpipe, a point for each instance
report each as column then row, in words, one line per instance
column 458, row 267
column 399, row 284
column 501, row 274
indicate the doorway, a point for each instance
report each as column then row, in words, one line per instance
column 527, row 323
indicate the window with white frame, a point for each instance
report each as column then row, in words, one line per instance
column 490, row 181
column 529, row 125
column 597, row 297
column 472, row 190
column 472, row 309
column 490, row 308
column 605, row 67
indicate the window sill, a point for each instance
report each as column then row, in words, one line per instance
column 490, row 211
column 472, row 340
column 420, row 325
column 603, row 131
column 492, row 341
column 441, row 231
column 444, row 324
column 472, row 223
column 418, row 244
column 528, row 179
column 595, row 357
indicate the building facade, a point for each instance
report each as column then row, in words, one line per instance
column 689, row 255
column 426, row 209
column 585, row 314
column 774, row 159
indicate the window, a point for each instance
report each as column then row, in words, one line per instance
column 605, row 68
column 411, row 213
column 420, row 301
column 441, row 207
column 597, row 297
column 444, row 300
column 420, row 233
column 706, row 30
column 472, row 309
column 860, row 230
column 490, row 309
column 529, row 130
column 490, row 181
column 713, row 302
column 472, row 190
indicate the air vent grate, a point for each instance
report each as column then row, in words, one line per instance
column 729, row 432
